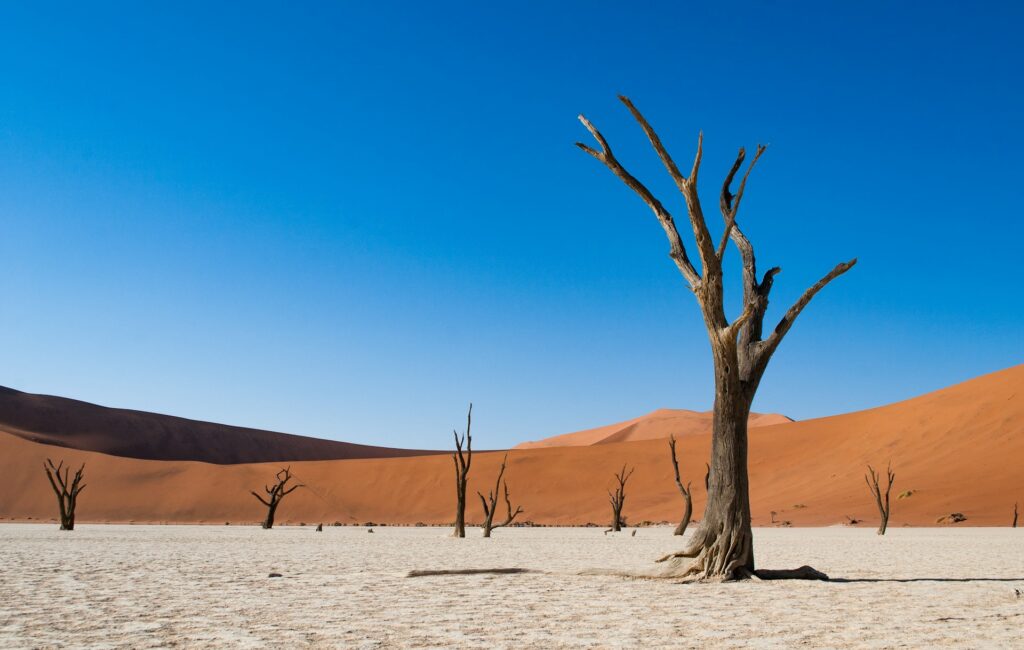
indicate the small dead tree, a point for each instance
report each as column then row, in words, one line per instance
column 275, row 494
column 618, row 497
column 67, row 492
column 462, row 462
column 1014, row 515
column 490, row 503
column 685, row 491
column 871, row 478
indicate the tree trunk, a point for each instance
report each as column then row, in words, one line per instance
column 462, row 461
column 268, row 523
column 723, row 546
column 687, row 514
column 460, row 508
column 488, row 519
column 616, row 519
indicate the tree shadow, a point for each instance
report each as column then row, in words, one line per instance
column 926, row 579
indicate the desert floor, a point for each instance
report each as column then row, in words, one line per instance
column 188, row 586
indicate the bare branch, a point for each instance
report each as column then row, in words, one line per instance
column 772, row 342
column 677, row 249
column 688, row 187
column 730, row 205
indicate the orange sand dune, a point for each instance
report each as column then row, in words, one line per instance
column 137, row 434
column 960, row 449
column 656, row 424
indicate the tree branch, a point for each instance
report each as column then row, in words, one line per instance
column 688, row 188
column 731, row 205
column 772, row 342
column 677, row 249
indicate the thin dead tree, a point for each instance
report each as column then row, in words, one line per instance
column 1014, row 525
column 871, row 478
column 723, row 549
column 462, row 462
column 618, row 497
column 490, row 503
column 275, row 493
column 67, row 490
column 685, row 491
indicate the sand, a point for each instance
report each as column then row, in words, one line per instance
column 137, row 434
column 957, row 450
column 656, row 425
column 188, row 586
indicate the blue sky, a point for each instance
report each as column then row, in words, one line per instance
column 349, row 220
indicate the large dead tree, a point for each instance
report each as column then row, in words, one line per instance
column 618, row 497
column 685, row 491
column 462, row 462
column 490, row 503
column 740, row 349
column 275, row 493
column 67, row 490
column 882, row 501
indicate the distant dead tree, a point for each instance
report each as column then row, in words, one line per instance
column 462, row 462
column 685, row 491
column 1014, row 515
column 275, row 494
column 490, row 503
column 618, row 497
column 740, row 349
column 67, row 492
column 871, row 478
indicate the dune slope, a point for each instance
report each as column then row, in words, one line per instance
column 137, row 434
column 657, row 424
column 958, row 450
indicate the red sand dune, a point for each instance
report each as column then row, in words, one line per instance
column 656, row 424
column 960, row 449
column 137, row 434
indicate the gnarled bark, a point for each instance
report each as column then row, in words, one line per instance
column 723, row 547
column 67, row 490
column 275, row 494
column 685, row 491
column 871, row 478
column 490, row 503
column 462, row 462
column 618, row 497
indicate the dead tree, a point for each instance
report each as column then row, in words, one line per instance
column 67, row 492
column 723, row 548
column 1014, row 516
column 685, row 491
column 462, row 462
column 275, row 494
column 490, row 503
column 871, row 478
column 618, row 497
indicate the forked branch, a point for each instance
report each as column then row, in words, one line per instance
column 677, row 248
column 66, row 489
column 275, row 493
column 618, row 497
column 490, row 503
column 462, row 460
column 882, row 501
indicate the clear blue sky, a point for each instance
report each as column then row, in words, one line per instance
column 350, row 220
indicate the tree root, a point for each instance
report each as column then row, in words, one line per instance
column 803, row 573
column 717, row 554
